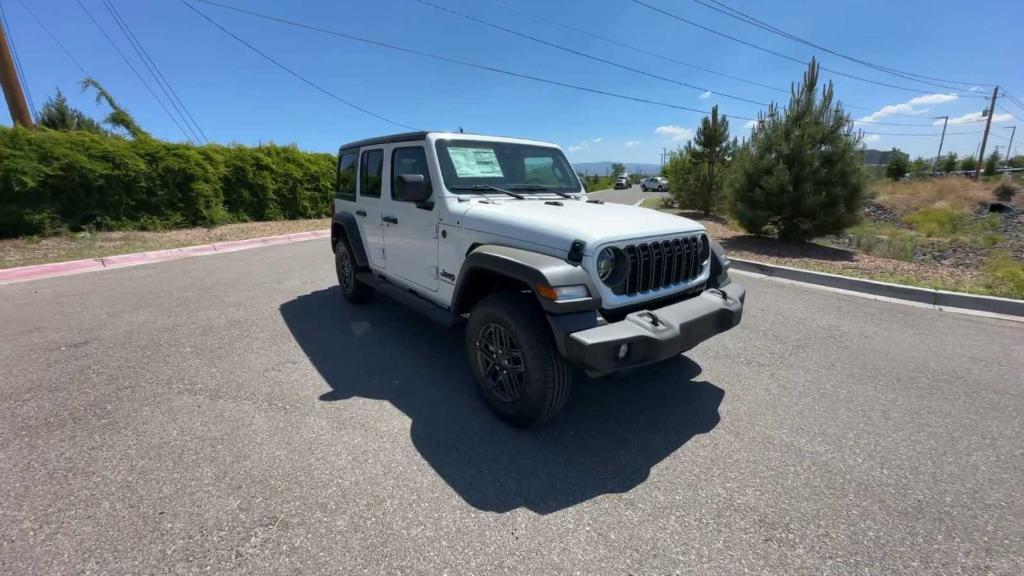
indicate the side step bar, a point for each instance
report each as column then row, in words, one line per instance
column 409, row 298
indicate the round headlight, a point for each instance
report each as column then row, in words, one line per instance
column 605, row 264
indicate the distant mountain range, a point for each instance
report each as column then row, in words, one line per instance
column 603, row 168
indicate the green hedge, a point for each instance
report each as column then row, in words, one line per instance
column 52, row 181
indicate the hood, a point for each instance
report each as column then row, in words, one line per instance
column 558, row 226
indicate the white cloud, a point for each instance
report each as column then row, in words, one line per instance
column 750, row 124
column 705, row 95
column 872, row 137
column 912, row 106
column 632, row 143
column 971, row 117
column 583, row 145
column 975, row 89
column 675, row 132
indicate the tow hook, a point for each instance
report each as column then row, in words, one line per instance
column 654, row 320
column 720, row 294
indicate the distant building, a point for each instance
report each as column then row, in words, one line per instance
column 876, row 157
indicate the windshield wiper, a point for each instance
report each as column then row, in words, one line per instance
column 537, row 187
column 482, row 187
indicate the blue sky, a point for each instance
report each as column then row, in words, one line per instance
column 236, row 96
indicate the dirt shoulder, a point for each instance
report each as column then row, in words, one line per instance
column 821, row 258
column 27, row 251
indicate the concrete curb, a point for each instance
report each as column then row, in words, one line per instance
column 937, row 298
column 25, row 273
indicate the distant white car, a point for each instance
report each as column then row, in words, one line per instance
column 655, row 183
column 621, row 182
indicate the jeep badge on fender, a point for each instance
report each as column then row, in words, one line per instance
column 542, row 278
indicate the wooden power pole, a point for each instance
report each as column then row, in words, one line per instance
column 984, row 137
column 11, row 85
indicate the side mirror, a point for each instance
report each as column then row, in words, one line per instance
column 412, row 188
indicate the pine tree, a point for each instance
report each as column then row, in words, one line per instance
column 57, row 114
column 800, row 175
column 700, row 170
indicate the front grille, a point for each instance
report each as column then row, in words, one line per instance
column 654, row 265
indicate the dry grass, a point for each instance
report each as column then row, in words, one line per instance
column 952, row 193
column 26, row 251
column 811, row 256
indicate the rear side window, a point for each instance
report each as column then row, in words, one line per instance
column 370, row 171
column 346, row 188
column 412, row 160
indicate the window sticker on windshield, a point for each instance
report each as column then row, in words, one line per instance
column 475, row 162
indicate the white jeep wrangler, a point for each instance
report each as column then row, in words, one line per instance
column 500, row 231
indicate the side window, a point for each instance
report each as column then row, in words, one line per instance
column 346, row 188
column 370, row 170
column 541, row 170
column 411, row 160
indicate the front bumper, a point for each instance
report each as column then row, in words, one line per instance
column 655, row 335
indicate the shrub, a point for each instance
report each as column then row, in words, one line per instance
column 884, row 242
column 936, row 222
column 1004, row 276
column 51, row 181
column 1006, row 190
column 800, row 174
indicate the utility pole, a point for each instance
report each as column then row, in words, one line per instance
column 11, row 84
column 1009, row 149
column 938, row 157
column 984, row 137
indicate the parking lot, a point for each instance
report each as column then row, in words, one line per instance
column 231, row 414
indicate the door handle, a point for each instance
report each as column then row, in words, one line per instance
column 361, row 213
column 390, row 219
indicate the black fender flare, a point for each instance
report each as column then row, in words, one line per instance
column 344, row 224
column 529, row 268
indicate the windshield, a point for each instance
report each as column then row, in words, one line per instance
column 468, row 166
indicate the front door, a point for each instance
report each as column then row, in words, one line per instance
column 369, row 207
column 411, row 237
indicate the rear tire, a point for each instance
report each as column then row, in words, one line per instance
column 345, row 265
column 514, row 359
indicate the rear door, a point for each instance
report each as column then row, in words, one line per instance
column 411, row 237
column 370, row 204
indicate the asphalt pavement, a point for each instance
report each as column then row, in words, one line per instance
column 232, row 414
column 627, row 196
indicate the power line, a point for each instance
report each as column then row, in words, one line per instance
column 154, row 70
column 53, row 37
column 775, row 53
column 17, row 64
column 744, row 17
column 292, row 72
column 934, row 135
column 451, row 60
column 133, row 69
column 639, row 50
column 588, row 56
column 684, row 63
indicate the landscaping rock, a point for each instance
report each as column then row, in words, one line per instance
column 878, row 213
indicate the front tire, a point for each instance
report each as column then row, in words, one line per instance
column 345, row 265
column 514, row 359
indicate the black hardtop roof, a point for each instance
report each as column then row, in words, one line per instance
column 403, row 137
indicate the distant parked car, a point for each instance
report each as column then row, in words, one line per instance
column 621, row 182
column 655, row 183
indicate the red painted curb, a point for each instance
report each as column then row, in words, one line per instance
column 24, row 273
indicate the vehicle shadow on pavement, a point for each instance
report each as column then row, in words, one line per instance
column 612, row 432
